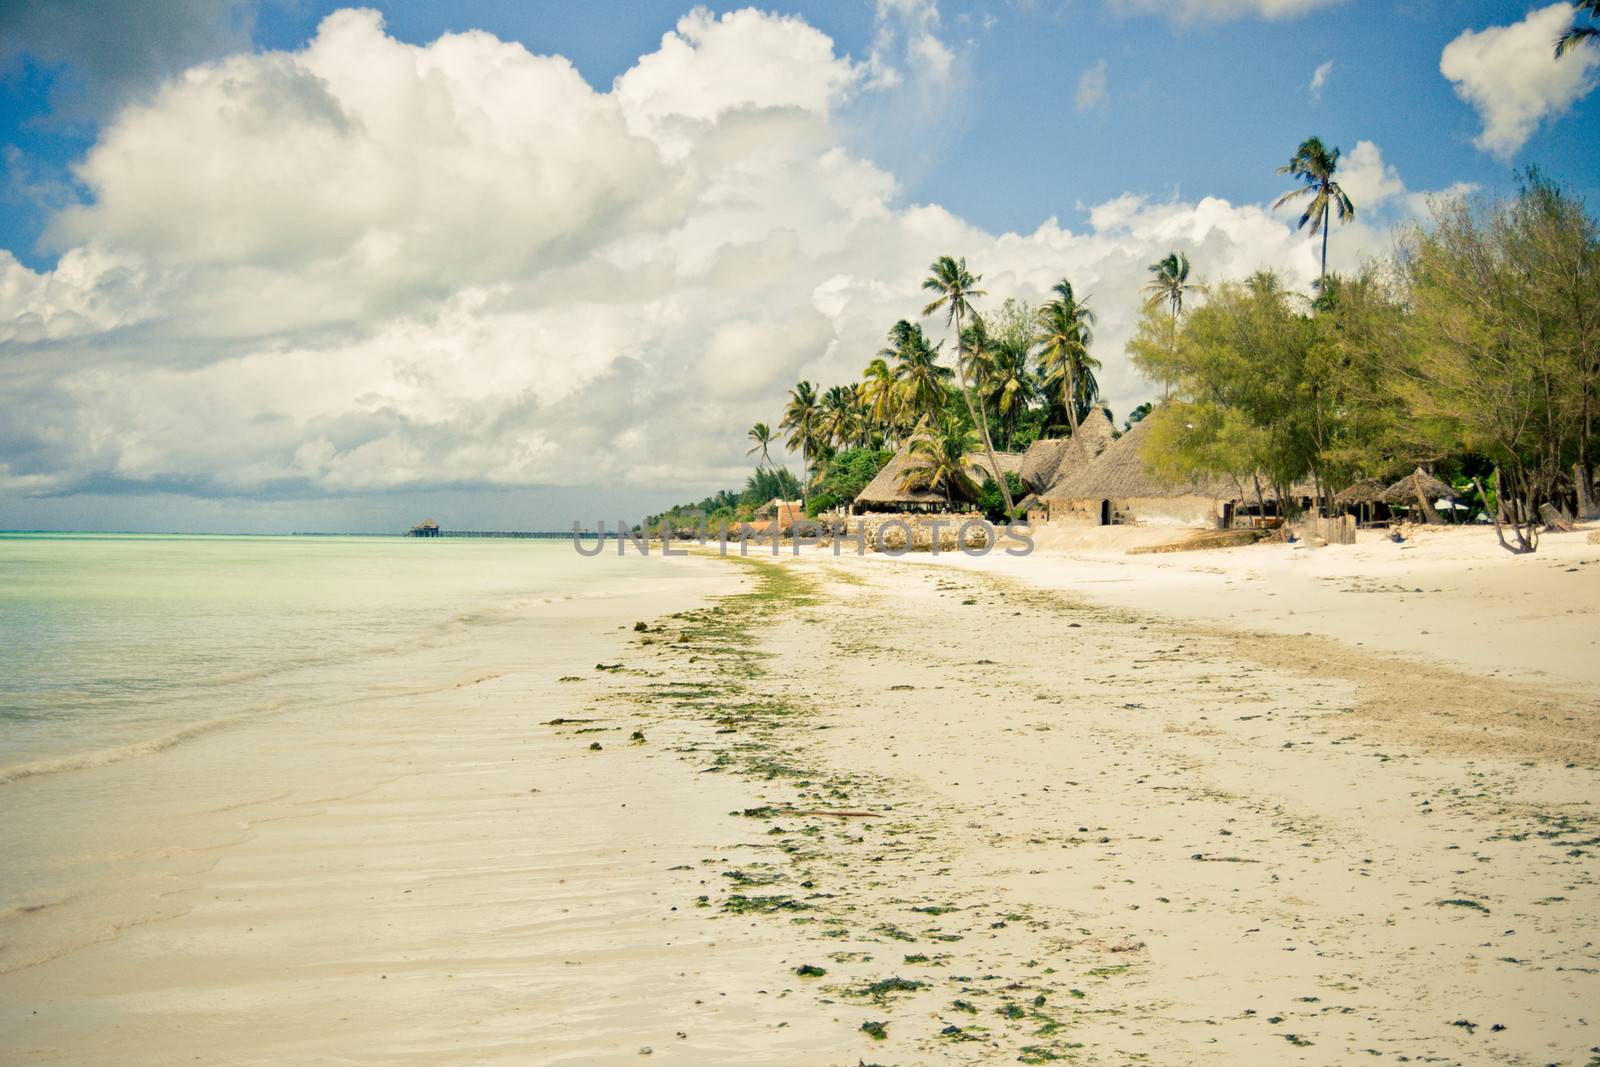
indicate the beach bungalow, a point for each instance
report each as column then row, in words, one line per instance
column 1050, row 459
column 425, row 528
column 1117, row 489
column 888, row 489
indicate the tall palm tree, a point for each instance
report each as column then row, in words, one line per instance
column 1314, row 164
column 1065, row 333
column 1169, row 286
column 839, row 415
column 1000, row 374
column 763, row 437
column 800, row 419
column 919, row 376
column 879, row 397
column 939, row 461
column 1579, row 33
column 957, row 287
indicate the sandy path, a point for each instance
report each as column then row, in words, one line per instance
column 1108, row 838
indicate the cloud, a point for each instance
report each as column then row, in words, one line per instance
column 1367, row 179
column 744, row 59
column 113, row 50
column 906, row 45
column 1223, row 10
column 1091, row 88
column 1319, row 79
column 366, row 266
column 1508, row 75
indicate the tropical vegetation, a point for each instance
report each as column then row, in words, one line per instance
column 1473, row 350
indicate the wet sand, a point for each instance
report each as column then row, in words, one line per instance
column 1007, row 815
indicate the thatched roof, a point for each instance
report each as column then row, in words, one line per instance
column 979, row 468
column 1405, row 490
column 885, row 489
column 1095, row 432
column 1049, row 458
column 1041, row 461
column 1365, row 491
column 1120, row 474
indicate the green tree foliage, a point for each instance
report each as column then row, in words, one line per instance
column 938, row 462
column 802, row 420
column 992, row 502
column 1504, row 335
column 846, row 474
column 1001, row 348
column 1476, row 349
column 955, row 287
column 1063, row 332
column 728, row 507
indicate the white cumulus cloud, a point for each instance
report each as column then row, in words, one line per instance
column 1509, row 75
column 366, row 265
column 1367, row 179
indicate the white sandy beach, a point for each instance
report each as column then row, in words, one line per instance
column 1264, row 805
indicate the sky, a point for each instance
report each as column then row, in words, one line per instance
column 277, row 265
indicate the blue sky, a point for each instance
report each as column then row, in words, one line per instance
column 1201, row 106
column 346, row 270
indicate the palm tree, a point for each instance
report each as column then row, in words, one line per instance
column 800, row 419
column 957, row 287
column 1580, row 34
column 1000, row 374
column 938, row 461
column 879, row 396
column 1314, row 165
column 1064, row 337
column 1169, row 286
column 919, row 376
column 763, row 437
column 839, row 415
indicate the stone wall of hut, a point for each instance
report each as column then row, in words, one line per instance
column 1193, row 511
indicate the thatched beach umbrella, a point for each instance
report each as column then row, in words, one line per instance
column 1418, row 489
column 1365, row 491
column 1361, row 496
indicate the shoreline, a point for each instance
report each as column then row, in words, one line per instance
column 1003, row 820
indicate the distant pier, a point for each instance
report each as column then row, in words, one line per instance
column 429, row 528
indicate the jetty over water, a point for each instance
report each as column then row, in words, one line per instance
column 429, row 528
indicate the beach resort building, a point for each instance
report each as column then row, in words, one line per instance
column 1116, row 488
column 896, row 487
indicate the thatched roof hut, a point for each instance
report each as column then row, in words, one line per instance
column 1119, row 473
column 887, row 489
column 1406, row 490
column 1365, row 491
column 979, row 468
column 1041, row 461
column 1049, row 458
